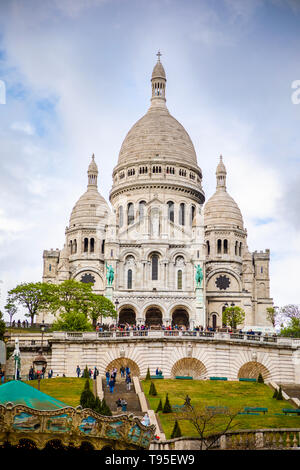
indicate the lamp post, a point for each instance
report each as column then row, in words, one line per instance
column 117, row 304
column 40, row 365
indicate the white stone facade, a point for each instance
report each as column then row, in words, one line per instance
column 157, row 231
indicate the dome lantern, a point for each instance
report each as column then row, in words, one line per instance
column 221, row 175
column 92, row 173
column 158, row 81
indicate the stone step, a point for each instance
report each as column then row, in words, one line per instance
column 120, row 391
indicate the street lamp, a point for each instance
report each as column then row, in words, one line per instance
column 40, row 364
column 117, row 304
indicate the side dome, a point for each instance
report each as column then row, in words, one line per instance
column 91, row 208
column 221, row 208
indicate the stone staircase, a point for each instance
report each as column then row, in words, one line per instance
column 120, row 391
column 292, row 390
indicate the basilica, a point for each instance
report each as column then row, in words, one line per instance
column 158, row 231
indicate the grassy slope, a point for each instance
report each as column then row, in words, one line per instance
column 65, row 389
column 234, row 395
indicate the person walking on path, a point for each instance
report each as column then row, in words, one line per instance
column 122, row 371
column 78, row 371
column 107, row 375
column 118, row 403
column 96, row 372
column 128, row 382
column 111, row 385
column 124, row 405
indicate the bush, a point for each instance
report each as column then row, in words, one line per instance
column 167, row 406
column 87, row 399
column 260, row 379
column 176, row 430
column 105, row 409
column 275, row 393
column 148, row 374
column 279, row 394
column 152, row 390
column 98, row 406
column 86, row 374
column 159, row 407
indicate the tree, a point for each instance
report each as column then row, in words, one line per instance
column 11, row 309
column 293, row 328
column 291, row 311
column 279, row 394
column 260, row 379
column 100, row 306
column 72, row 321
column 176, row 431
column 148, row 374
column 167, row 406
column 208, row 424
column 152, row 390
column 275, row 393
column 159, row 407
column 271, row 315
column 2, row 326
column 33, row 296
column 233, row 316
column 106, row 411
column 86, row 374
column 87, row 398
column 70, row 297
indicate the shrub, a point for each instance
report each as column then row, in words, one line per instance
column 86, row 374
column 260, row 379
column 98, row 406
column 176, row 430
column 148, row 374
column 159, row 407
column 167, row 406
column 279, row 394
column 152, row 390
column 105, row 409
column 275, row 393
column 87, row 399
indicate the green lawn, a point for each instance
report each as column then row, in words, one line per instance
column 65, row 389
column 234, row 395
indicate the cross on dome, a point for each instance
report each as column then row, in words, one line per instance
column 159, row 54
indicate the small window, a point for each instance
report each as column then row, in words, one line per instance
column 121, row 216
column 154, row 262
column 207, row 247
column 142, row 206
column 225, row 247
column 92, row 245
column 86, row 245
column 240, row 249
column 261, row 269
column 219, row 247
column 182, row 214
column 179, row 279
column 130, row 214
column 102, row 246
column 50, row 267
column 193, row 212
column 171, row 211
column 129, row 279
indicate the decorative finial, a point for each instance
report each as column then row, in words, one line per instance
column 93, row 156
column 158, row 55
column 221, row 157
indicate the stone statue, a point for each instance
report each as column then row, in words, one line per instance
column 17, row 359
column 199, row 275
column 110, row 275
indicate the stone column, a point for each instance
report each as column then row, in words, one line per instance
column 200, row 308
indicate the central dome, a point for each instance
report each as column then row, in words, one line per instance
column 157, row 133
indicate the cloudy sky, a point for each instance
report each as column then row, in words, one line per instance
column 77, row 76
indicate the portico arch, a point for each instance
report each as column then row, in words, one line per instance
column 180, row 317
column 125, row 362
column 127, row 315
column 154, row 317
column 189, row 366
column 252, row 369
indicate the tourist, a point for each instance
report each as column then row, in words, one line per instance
column 124, row 405
column 2, row 375
column 146, row 420
column 127, row 370
column 96, row 372
column 78, row 371
column 31, row 373
column 111, row 384
column 128, row 382
column 118, row 403
column 122, row 371
column 107, row 375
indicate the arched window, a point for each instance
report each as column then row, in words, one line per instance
column 236, row 248
column 154, row 262
column 86, row 245
column 240, row 249
column 92, row 245
column 182, row 214
column 142, row 206
column 50, row 267
column 130, row 214
column 75, row 246
column 179, row 279
column 219, row 246
column 192, row 215
column 71, row 247
column 102, row 246
column 121, row 219
column 207, row 248
column 171, row 211
column 225, row 246
column 129, row 279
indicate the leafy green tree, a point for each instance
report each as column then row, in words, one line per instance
column 293, row 329
column 72, row 321
column 32, row 296
column 176, row 430
column 152, row 390
column 99, row 307
column 233, row 316
column 271, row 315
column 70, row 297
column 167, row 406
column 11, row 310
column 2, row 326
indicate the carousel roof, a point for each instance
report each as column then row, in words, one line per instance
column 19, row 393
